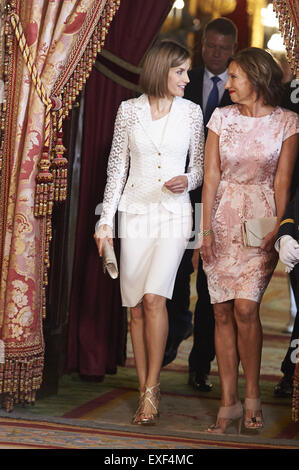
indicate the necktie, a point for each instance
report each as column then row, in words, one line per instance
column 213, row 100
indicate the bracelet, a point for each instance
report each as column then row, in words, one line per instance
column 206, row 233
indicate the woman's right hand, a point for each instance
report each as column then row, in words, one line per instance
column 208, row 248
column 103, row 233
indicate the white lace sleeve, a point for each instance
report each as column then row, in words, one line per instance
column 196, row 148
column 117, row 169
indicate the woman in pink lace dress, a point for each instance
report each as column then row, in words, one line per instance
column 249, row 160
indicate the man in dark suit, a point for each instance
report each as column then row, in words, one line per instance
column 284, row 388
column 206, row 88
column 288, row 247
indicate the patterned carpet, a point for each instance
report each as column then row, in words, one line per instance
column 27, row 434
column 89, row 415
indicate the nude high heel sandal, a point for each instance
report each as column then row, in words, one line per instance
column 227, row 415
column 255, row 420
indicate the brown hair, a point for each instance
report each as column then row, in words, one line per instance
column 222, row 26
column 159, row 60
column 263, row 72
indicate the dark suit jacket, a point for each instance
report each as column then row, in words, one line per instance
column 290, row 221
column 289, row 104
column 290, row 225
column 193, row 92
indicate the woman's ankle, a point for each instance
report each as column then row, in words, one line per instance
column 230, row 400
column 152, row 383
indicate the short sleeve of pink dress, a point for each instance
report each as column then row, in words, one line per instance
column 249, row 154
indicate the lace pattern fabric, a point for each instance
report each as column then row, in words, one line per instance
column 249, row 154
column 196, row 149
column 118, row 165
column 132, row 147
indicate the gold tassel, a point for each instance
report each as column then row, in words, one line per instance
column 44, row 188
column 20, row 379
column 286, row 14
column 59, row 169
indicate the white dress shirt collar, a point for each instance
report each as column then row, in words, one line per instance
column 222, row 76
column 208, row 85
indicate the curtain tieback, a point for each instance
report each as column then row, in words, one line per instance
column 48, row 182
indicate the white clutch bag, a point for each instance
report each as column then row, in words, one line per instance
column 109, row 260
column 254, row 230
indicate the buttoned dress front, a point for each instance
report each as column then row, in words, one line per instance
column 155, row 224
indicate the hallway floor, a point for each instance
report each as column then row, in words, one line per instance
column 89, row 415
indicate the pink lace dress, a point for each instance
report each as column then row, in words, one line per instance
column 249, row 154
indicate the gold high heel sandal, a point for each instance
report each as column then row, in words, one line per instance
column 228, row 415
column 137, row 416
column 152, row 396
column 255, row 421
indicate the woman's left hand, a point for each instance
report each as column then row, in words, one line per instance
column 178, row 184
column 269, row 241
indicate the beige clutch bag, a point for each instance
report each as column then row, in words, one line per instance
column 254, row 230
column 109, row 260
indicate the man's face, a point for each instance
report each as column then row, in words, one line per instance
column 216, row 50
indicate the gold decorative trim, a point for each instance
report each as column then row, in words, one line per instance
column 121, row 62
column 116, row 78
column 217, row 8
column 287, row 12
column 287, row 221
column 295, row 397
column 254, row 9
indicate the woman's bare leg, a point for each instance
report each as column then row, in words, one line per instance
column 228, row 365
column 250, row 340
column 155, row 334
column 156, row 331
column 149, row 330
column 139, row 343
column 226, row 351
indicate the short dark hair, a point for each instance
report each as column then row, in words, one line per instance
column 160, row 58
column 263, row 72
column 222, row 26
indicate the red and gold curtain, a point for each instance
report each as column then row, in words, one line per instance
column 50, row 47
column 288, row 17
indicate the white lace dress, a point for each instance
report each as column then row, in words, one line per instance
column 155, row 224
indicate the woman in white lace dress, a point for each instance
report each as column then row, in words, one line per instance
column 152, row 137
